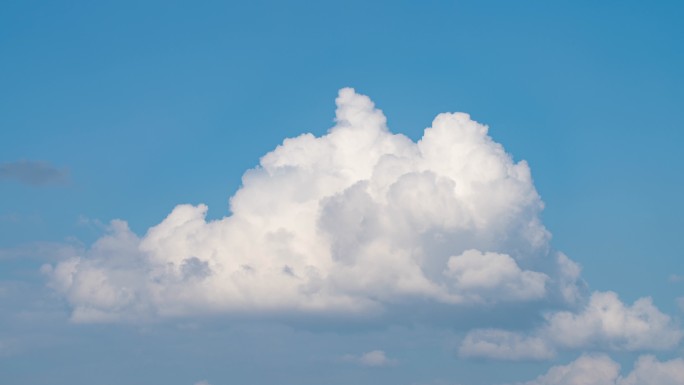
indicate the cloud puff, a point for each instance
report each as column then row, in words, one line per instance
column 606, row 321
column 481, row 276
column 504, row 345
column 603, row 323
column 33, row 173
column 648, row 370
column 375, row 358
column 601, row 370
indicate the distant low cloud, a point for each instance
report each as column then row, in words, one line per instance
column 605, row 323
column 45, row 251
column 33, row 173
column 602, row 370
column 586, row 370
column 505, row 345
column 675, row 278
column 375, row 358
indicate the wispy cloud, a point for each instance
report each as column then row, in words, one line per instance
column 42, row 251
column 375, row 358
column 602, row 370
column 33, row 173
column 675, row 278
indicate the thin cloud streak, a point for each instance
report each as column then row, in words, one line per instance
column 33, row 173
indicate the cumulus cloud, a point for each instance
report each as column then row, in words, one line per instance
column 355, row 222
column 604, row 322
column 648, row 370
column 352, row 221
column 480, row 276
column 601, row 370
column 33, row 173
column 375, row 358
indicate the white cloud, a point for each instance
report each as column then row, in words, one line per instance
column 569, row 282
column 504, row 345
column 375, row 358
column 601, row 370
column 201, row 383
column 486, row 276
column 603, row 323
column 648, row 370
column 352, row 221
column 607, row 322
column 586, row 370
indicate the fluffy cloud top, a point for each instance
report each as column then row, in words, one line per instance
column 601, row 370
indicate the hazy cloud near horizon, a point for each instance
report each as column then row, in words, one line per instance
column 599, row 369
column 374, row 358
column 33, row 173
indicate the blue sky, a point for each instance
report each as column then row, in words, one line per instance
column 126, row 110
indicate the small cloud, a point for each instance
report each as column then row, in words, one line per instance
column 43, row 251
column 94, row 223
column 21, row 219
column 675, row 278
column 587, row 369
column 504, row 345
column 607, row 321
column 203, row 382
column 604, row 322
column 375, row 358
column 600, row 369
column 33, row 173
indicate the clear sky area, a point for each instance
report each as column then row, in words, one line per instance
column 337, row 193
